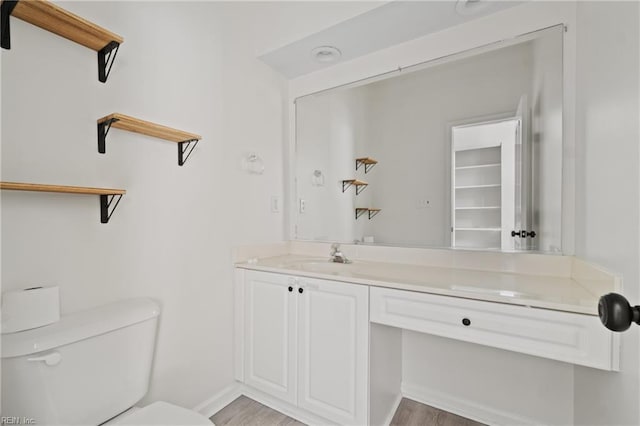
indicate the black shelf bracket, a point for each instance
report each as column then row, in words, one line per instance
column 183, row 148
column 371, row 213
column 103, row 129
column 106, row 58
column 6, row 10
column 105, row 206
column 367, row 166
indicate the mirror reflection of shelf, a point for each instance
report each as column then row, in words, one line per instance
column 478, row 208
column 362, row 210
column 479, row 166
column 358, row 184
column 368, row 163
column 493, row 185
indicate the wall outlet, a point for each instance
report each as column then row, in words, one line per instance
column 423, row 203
column 275, row 204
column 303, row 206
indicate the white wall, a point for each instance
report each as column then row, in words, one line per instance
column 547, row 407
column 608, row 223
column 488, row 384
column 192, row 66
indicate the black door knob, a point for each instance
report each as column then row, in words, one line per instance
column 290, row 288
column 300, row 290
column 616, row 313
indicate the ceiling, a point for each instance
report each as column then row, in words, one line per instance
column 385, row 26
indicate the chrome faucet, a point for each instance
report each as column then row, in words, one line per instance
column 336, row 255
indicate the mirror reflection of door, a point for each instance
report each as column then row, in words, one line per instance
column 491, row 185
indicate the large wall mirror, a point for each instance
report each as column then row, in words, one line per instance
column 461, row 152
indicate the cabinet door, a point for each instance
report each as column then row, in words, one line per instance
column 333, row 363
column 270, row 346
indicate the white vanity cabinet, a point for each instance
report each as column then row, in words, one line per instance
column 306, row 342
column 563, row 336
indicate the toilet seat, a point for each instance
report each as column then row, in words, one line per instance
column 165, row 414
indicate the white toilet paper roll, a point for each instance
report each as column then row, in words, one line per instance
column 30, row 308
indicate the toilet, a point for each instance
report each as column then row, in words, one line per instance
column 88, row 368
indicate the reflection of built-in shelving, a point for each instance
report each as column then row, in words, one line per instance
column 53, row 18
column 358, row 184
column 367, row 162
column 477, row 180
column 131, row 124
column 107, row 195
column 362, row 210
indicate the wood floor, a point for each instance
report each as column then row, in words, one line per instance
column 412, row 413
column 247, row 412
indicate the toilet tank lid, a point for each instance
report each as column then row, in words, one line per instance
column 79, row 326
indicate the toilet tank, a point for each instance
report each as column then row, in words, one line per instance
column 84, row 369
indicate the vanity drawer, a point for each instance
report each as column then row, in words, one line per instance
column 563, row 336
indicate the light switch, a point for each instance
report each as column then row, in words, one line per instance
column 275, row 204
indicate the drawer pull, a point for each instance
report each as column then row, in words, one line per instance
column 290, row 289
column 300, row 290
column 466, row 322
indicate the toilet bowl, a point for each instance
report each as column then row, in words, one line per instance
column 87, row 368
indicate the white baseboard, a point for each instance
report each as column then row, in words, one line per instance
column 393, row 410
column 220, row 400
column 227, row 395
column 442, row 401
column 462, row 407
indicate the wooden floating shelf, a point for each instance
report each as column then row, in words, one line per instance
column 359, row 185
column 53, row 18
column 362, row 210
column 136, row 125
column 107, row 195
column 368, row 163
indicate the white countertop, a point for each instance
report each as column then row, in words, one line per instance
column 556, row 293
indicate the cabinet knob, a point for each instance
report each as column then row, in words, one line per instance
column 466, row 322
column 300, row 290
column 290, row 289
